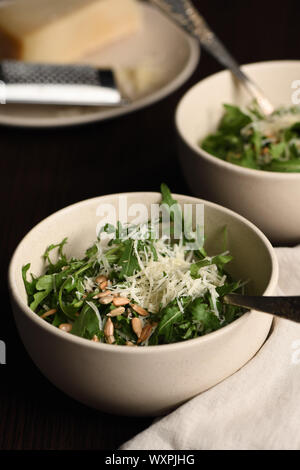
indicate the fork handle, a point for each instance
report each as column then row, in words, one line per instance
column 185, row 14
column 284, row 307
column 214, row 46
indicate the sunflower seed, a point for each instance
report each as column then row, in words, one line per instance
column 116, row 311
column 120, row 301
column 140, row 310
column 146, row 332
column 109, row 328
column 137, row 326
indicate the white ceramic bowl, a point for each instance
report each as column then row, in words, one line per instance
column 270, row 200
column 149, row 380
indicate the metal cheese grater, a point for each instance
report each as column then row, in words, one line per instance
column 58, row 84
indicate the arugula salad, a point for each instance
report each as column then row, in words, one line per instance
column 134, row 292
column 249, row 139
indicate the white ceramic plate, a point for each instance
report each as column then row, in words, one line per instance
column 160, row 47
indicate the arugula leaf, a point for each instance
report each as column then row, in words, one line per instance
column 172, row 207
column 59, row 318
column 290, row 166
column 201, row 313
column 230, row 313
column 38, row 298
column 256, row 139
column 183, row 223
column 194, row 269
column 247, row 159
column 44, row 286
column 219, row 260
column 128, row 260
column 220, row 144
column 123, row 325
column 167, row 197
column 87, row 324
column 30, row 287
column 53, row 247
column 233, row 120
column 295, row 128
column 228, row 288
column 45, row 283
column 201, row 253
column 91, row 252
column 277, row 150
column 169, row 315
column 154, row 252
column 69, row 305
column 294, row 152
column 113, row 255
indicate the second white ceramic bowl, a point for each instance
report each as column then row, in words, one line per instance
column 147, row 380
column 270, row 200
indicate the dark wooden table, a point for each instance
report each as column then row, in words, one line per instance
column 42, row 171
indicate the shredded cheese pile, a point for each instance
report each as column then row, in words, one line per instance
column 161, row 281
column 273, row 124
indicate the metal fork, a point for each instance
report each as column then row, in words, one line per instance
column 284, row 307
column 185, row 14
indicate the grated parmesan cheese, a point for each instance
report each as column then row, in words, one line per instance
column 273, row 124
column 88, row 284
column 93, row 306
column 159, row 282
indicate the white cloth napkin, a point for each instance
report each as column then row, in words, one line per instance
column 256, row 408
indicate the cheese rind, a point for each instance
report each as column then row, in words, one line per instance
column 63, row 30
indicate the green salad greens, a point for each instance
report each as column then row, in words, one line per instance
column 134, row 291
column 249, row 139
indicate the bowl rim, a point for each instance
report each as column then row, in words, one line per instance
column 218, row 161
column 24, row 308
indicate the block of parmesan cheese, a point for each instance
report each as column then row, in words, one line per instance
column 63, row 30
